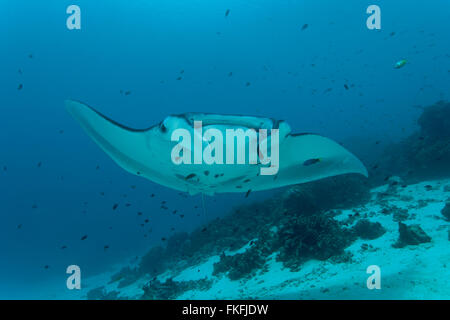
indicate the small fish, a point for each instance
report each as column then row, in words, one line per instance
column 227, row 12
column 311, row 162
column 105, row 248
column 400, row 64
column 84, row 237
column 190, row 176
column 346, row 86
column 305, row 26
column 115, row 206
column 20, row 87
column 63, row 247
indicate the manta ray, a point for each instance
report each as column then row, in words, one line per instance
column 303, row 157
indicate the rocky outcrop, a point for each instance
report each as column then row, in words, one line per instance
column 368, row 230
column 410, row 235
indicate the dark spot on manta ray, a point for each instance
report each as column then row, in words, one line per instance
column 206, row 173
column 190, row 176
column 163, row 128
column 247, row 180
column 238, row 187
column 310, row 162
column 84, row 237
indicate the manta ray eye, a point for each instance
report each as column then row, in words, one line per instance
column 162, row 127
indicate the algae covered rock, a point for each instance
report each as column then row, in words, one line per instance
column 170, row 289
column 368, row 230
column 100, row 293
column 410, row 235
column 239, row 265
column 311, row 237
column 446, row 211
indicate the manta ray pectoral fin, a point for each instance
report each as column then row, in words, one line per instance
column 124, row 145
column 314, row 157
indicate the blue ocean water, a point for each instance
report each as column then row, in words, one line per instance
column 139, row 61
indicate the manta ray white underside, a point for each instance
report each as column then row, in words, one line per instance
column 147, row 153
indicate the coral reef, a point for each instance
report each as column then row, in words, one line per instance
column 368, row 230
column 446, row 211
column 410, row 235
column 101, row 294
column 170, row 289
column 311, row 237
column 426, row 153
column 126, row 276
column 239, row 265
